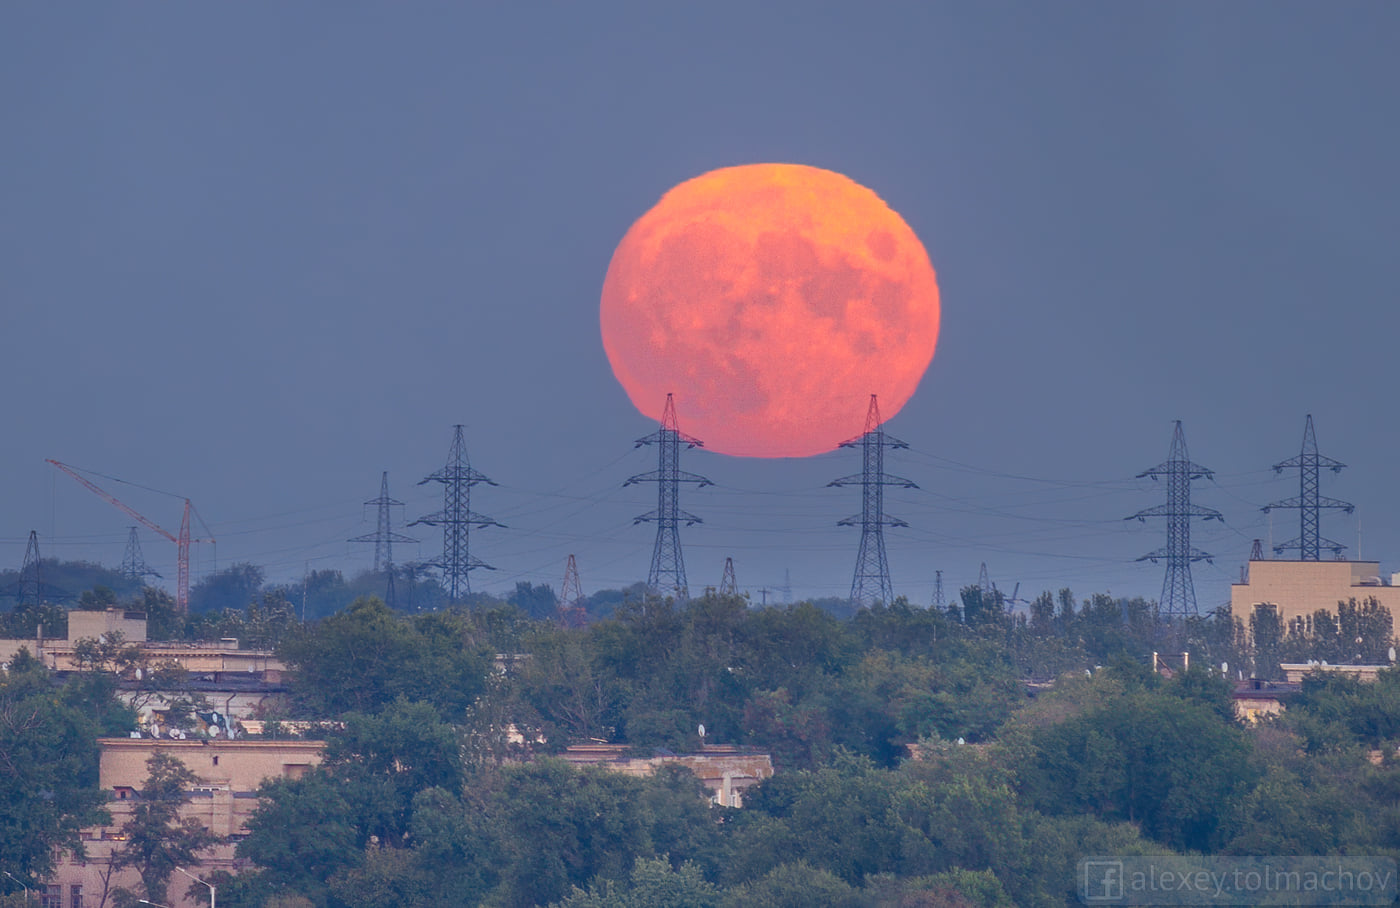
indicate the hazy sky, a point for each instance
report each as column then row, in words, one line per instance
column 257, row 254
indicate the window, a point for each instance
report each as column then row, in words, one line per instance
column 52, row 897
column 75, row 896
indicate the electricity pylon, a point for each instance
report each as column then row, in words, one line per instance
column 1178, row 592
column 384, row 536
column 571, row 608
column 1309, row 542
column 456, row 519
column 134, row 566
column 870, row 582
column 667, row 574
column 728, row 586
column 31, row 573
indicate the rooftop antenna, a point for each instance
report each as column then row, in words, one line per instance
column 667, row 574
column 1309, row 541
column 384, row 536
column 1178, row 592
column 134, row 566
column 456, row 519
column 870, row 583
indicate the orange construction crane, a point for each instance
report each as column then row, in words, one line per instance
column 182, row 541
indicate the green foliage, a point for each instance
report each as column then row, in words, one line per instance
column 795, row 885
column 368, row 656
column 653, row 883
column 157, row 839
column 301, row 832
column 1336, row 711
column 48, row 765
column 232, row 588
column 1162, row 758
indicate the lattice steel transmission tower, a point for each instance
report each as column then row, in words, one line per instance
column 31, row 573
column 939, row 601
column 571, row 608
column 456, row 519
column 667, row 574
column 1178, row 592
column 728, row 586
column 134, row 566
column 384, row 536
column 871, row 581
column 1309, row 542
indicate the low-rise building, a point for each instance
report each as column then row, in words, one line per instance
column 1299, row 588
column 223, row 800
column 726, row 771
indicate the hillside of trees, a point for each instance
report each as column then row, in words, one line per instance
column 923, row 757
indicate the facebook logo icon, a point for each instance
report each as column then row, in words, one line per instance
column 1103, row 881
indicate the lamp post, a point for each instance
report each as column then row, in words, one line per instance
column 212, row 892
column 22, row 883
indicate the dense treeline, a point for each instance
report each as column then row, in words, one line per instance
column 923, row 757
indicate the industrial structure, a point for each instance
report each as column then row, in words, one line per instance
column 31, row 574
column 183, row 540
column 871, row 581
column 456, row 519
column 667, row 574
column 134, row 566
column 1178, row 592
column 1309, row 542
column 572, row 611
column 728, row 586
column 384, row 536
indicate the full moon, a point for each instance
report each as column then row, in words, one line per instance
column 772, row 300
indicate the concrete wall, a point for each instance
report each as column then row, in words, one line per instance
column 229, row 772
column 1300, row 588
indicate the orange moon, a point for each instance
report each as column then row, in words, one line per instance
column 773, row 300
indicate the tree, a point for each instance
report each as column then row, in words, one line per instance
column 1171, row 764
column 653, row 883
column 368, row 656
column 232, row 588
column 48, row 767
column 157, row 839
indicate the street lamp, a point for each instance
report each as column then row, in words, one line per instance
column 212, row 892
column 21, row 882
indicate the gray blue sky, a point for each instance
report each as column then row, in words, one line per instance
column 257, row 254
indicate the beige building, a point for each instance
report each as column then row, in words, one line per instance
column 726, row 771
column 1299, row 588
column 238, row 684
column 229, row 772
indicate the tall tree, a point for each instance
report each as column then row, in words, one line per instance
column 157, row 839
column 48, row 767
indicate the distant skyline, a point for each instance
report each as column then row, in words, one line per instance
column 257, row 255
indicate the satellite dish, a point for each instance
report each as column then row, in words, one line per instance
column 701, row 729
column 1392, row 654
column 961, row 741
column 140, row 674
column 1224, row 668
column 1241, row 674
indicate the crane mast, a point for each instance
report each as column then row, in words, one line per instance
column 182, row 540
